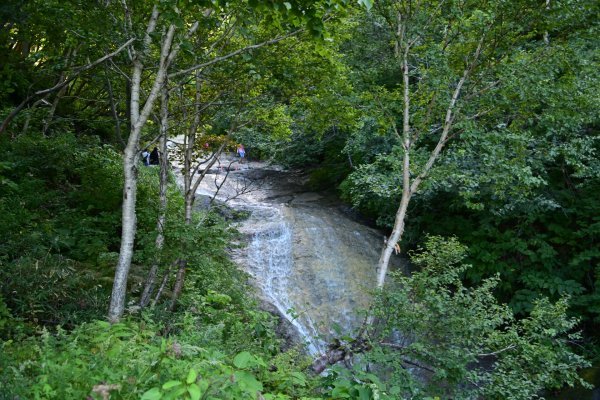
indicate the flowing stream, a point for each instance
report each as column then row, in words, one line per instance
column 309, row 259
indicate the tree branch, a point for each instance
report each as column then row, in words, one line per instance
column 61, row 84
column 234, row 53
column 512, row 346
column 449, row 119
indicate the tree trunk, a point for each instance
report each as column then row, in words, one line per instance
column 162, row 211
column 114, row 110
column 189, row 193
column 336, row 353
column 54, row 106
column 138, row 118
column 62, row 78
column 163, row 284
column 392, row 242
column 117, row 300
column 408, row 187
column 130, row 162
column 179, row 281
column 189, row 206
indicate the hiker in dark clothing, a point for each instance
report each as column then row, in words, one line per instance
column 154, row 160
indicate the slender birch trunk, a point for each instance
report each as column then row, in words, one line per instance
column 162, row 210
column 189, row 194
column 139, row 117
column 130, row 165
column 336, row 353
column 408, row 187
column 396, row 235
column 191, row 181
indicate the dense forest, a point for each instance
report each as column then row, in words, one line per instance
column 467, row 131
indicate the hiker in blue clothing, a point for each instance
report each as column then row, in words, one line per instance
column 146, row 157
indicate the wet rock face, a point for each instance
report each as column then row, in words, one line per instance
column 313, row 263
column 285, row 330
column 334, row 271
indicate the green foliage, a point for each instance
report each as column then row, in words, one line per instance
column 519, row 188
column 465, row 343
column 5, row 316
column 61, row 216
column 517, row 180
column 137, row 362
column 58, row 218
column 57, row 181
column 355, row 383
column 536, row 251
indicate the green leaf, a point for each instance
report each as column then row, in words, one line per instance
column 203, row 385
column 194, row 391
column 340, row 392
column 247, row 382
column 191, row 378
column 364, row 393
column 244, row 360
column 366, row 3
column 298, row 378
column 152, row 394
column 171, row 384
column 176, row 394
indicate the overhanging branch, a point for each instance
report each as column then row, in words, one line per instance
column 234, row 53
column 62, row 84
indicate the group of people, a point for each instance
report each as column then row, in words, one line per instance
column 150, row 158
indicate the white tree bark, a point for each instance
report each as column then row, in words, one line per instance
column 408, row 187
column 396, row 235
column 162, row 208
column 139, row 118
column 130, row 163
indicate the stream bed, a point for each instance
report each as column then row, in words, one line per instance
column 308, row 257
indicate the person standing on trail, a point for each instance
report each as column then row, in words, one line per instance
column 146, row 157
column 241, row 151
column 154, row 157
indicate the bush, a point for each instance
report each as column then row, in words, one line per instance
column 131, row 360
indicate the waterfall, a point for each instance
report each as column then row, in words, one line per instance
column 270, row 261
column 307, row 258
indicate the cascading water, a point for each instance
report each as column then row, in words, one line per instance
column 270, row 261
column 309, row 260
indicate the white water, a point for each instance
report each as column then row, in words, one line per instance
column 310, row 261
column 270, row 262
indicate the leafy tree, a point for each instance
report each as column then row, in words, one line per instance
column 515, row 178
column 436, row 337
column 171, row 18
